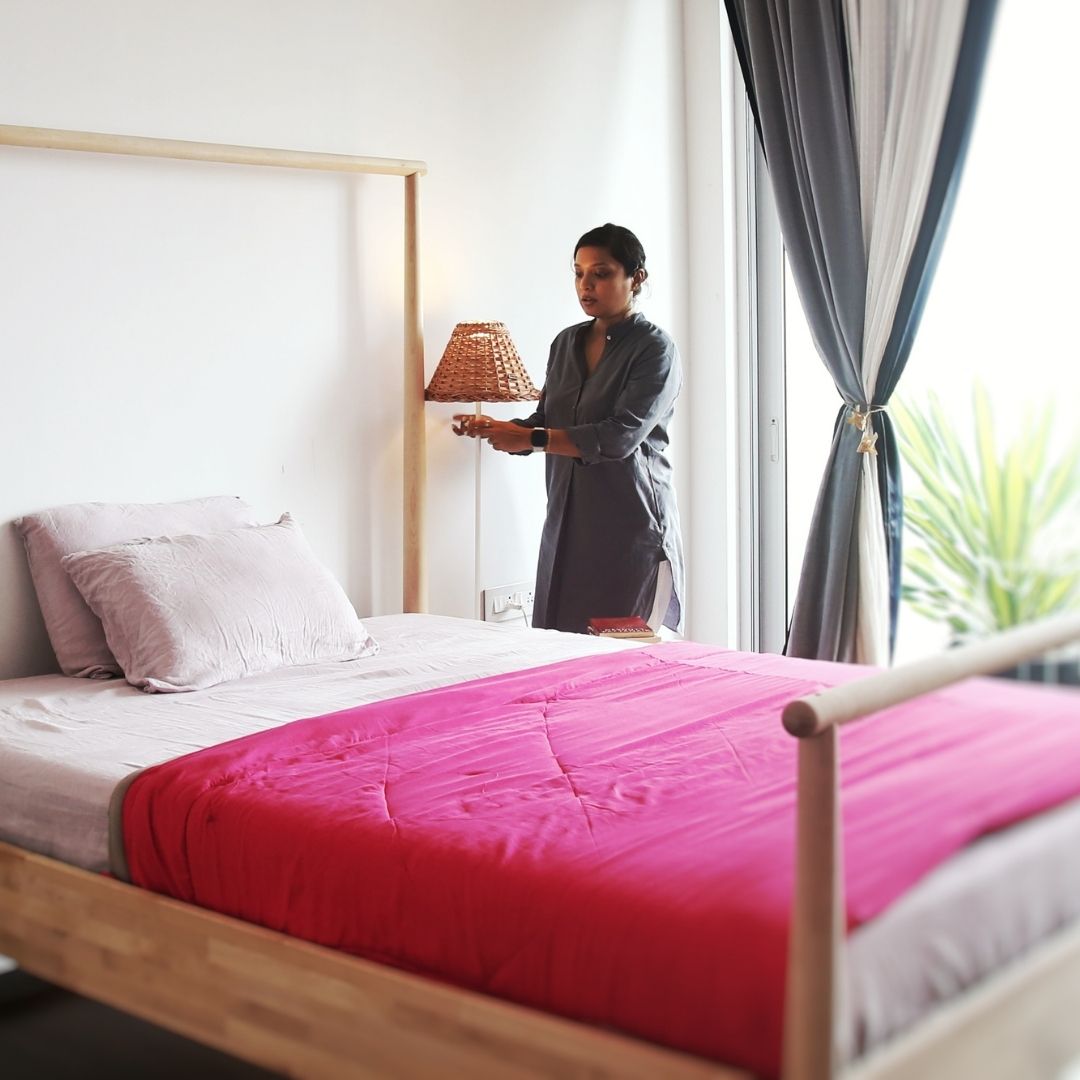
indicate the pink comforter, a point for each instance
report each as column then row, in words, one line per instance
column 610, row 838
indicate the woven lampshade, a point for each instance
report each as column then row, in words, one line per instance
column 481, row 364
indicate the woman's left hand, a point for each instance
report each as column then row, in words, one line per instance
column 504, row 435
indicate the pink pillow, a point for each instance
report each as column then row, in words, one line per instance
column 188, row 612
column 74, row 630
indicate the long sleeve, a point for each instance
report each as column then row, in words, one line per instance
column 647, row 395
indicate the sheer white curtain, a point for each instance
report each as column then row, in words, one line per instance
column 903, row 59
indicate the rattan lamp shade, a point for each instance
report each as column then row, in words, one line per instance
column 481, row 364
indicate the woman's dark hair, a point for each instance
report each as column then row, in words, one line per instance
column 624, row 246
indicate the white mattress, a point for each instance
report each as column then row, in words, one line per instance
column 65, row 743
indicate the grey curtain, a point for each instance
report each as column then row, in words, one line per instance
column 794, row 59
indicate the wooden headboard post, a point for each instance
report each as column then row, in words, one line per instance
column 414, row 561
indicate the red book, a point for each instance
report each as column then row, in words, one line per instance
column 622, row 626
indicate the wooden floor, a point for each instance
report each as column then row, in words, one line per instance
column 49, row 1034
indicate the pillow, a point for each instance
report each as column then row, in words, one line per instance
column 188, row 612
column 74, row 630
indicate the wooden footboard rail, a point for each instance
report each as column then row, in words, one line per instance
column 296, row 1008
column 815, row 970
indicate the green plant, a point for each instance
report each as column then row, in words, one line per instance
column 997, row 532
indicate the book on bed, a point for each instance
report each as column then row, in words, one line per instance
column 624, row 627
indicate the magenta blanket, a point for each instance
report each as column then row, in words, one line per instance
column 610, row 838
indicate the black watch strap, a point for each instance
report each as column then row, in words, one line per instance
column 539, row 437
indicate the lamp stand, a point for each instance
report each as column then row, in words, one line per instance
column 478, row 599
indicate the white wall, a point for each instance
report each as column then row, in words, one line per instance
column 174, row 329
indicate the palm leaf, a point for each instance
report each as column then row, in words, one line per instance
column 1061, row 487
column 989, row 471
column 1015, row 497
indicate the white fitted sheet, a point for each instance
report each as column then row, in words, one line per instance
column 65, row 744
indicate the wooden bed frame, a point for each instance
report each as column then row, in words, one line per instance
column 307, row 1011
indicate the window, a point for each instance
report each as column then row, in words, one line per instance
column 1003, row 303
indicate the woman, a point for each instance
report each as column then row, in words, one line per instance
column 611, row 544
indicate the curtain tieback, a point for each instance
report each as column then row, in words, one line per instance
column 859, row 418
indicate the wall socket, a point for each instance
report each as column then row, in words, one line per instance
column 505, row 602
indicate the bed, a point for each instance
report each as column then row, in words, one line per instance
column 70, row 745
column 308, row 1010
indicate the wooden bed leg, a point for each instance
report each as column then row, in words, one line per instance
column 414, row 563
column 817, row 933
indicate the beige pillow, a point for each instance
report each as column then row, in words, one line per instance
column 74, row 630
column 188, row 612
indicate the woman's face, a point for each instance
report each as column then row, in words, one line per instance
column 604, row 289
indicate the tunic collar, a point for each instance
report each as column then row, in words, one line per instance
column 621, row 329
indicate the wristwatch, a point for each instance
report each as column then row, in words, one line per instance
column 539, row 438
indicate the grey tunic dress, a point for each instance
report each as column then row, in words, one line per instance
column 612, row 519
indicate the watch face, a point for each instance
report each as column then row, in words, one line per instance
column 539, row 437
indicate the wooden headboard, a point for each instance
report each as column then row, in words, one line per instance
column 414, row 577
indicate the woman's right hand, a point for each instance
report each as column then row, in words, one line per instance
column 503, row 435
column 470, row 424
